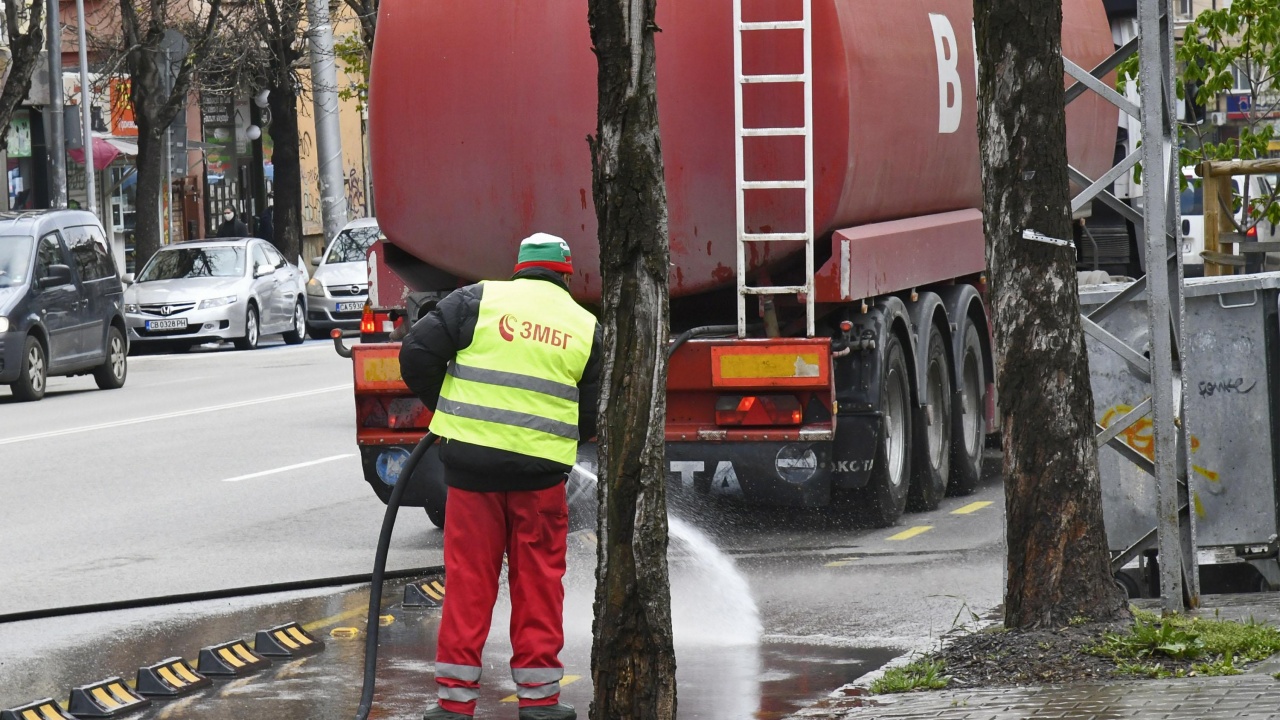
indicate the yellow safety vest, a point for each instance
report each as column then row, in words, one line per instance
column 515, row 387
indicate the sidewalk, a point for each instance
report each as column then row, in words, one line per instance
column 1254, row 695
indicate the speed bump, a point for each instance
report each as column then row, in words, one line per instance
column 231, row 659
column 108, row 698
column 170, row 678
column 45, row 709
column 424, row 594
column 286, row 641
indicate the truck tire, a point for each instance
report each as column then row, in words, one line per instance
column 884, row 498
column 968, row 415
column 435, row 513
column 110, row 375
column 931, row 463
column 33, row 372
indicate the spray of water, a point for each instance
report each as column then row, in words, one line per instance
column 711, row 603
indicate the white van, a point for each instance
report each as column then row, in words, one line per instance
column 1192, row 202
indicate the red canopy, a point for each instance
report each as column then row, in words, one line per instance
column 103, row 153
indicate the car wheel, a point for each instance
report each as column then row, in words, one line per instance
column 968, row 416
column 295, row 336
column 884, row 498
column 33, row 372
column 110, row 375
column 317, row 333
column 932, row 462
column 251, row 329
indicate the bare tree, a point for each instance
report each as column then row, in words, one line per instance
column 1058, row 565
column 633, row 658
column 24, row 26
column 278, row 28
column 157, row 101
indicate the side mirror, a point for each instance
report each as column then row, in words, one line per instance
column 317, row 260
column 56, row 275
column 263, row 269
column 127, row 279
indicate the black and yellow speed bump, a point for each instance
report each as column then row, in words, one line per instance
column 231, row 659
column 108, row 698
column 46, row 709
column 286, row 641
column 169, row 678
column 425, row 594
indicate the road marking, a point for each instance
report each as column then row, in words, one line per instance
column 567, row 680
column 971, row 507
column 167, row 416
column 334, row 619
column 840, row 563
column 287, row 468
column 911, row 532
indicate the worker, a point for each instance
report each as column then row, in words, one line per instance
column 511, row 370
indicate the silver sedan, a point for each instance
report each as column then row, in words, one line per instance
column 222, row 289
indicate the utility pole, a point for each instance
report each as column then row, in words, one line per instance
column 333, row 201
column 86, row 116
column 57, row 145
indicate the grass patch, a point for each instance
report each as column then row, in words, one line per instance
column 920, row 674
column 1217, row 644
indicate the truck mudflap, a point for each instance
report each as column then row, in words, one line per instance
column 789, row 474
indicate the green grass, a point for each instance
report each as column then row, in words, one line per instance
column 920, row 674
column 1219, row 644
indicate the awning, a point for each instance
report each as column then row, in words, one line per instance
column 105, row 150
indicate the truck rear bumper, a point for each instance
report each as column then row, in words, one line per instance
column 789, row 474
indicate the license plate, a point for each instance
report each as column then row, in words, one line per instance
column 170, row 324
column 350, row 306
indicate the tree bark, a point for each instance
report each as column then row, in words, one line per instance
column 287, row 186
column 1058, row 564
column 632, row 658
column 25, row 43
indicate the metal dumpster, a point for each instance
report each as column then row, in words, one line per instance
column 1232, row 358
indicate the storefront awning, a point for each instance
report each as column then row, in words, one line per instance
column 105, row 150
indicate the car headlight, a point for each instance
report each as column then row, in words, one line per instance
column 4, row 324
column 130, row 308
column 217, row 302
column 314, row 288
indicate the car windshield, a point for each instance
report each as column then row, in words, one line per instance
column 194, row 262
column 352, row 245
column 15, row 259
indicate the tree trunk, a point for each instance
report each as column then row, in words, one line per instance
column 147, row 228
column 1058, row 565
column 632, row 659
column 24, row 49
column 287, row 186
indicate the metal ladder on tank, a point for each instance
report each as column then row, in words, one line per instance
column 743, row 185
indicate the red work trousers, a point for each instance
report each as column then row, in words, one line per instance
column 531, row 527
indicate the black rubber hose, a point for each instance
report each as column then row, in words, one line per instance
column 691, row 333
column 379, row 569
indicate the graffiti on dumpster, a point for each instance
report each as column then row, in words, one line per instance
column 1226, row 387
column 1141, row 437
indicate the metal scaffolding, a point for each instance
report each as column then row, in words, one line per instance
column 1159, row 364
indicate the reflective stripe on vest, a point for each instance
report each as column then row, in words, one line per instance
column 515, row 387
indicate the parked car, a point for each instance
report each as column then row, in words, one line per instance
column 338, row 289
column 60, row 302
column 236, row 289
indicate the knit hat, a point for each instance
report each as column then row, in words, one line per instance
column 545, row 251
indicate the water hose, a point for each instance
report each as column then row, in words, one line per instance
column 379, row 568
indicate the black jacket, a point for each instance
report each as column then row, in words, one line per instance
column 425, row 354
column 234, row 227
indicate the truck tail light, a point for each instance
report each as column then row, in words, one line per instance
column 366, row 320
column 738, row 410
column 392, row 413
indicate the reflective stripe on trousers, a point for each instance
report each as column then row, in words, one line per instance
column 537, row 683
column 459, row 687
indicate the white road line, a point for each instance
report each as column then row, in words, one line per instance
column 167, row 416
column 287, row 468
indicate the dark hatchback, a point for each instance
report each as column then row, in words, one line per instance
column 60, row 302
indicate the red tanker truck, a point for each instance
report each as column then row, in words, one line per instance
column 830, row 342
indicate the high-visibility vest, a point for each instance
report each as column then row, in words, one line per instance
column 515, row 387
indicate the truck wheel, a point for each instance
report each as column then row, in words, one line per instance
column 884, row 498
column 251, row 330
column 932, row 442
column 33, row 372
column 435, row 513
column 111, row 373
column 968, row 419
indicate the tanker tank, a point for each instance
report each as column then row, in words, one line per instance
column 479, row 114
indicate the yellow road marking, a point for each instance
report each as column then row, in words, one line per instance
column 911, row 532
column 971, row 507
column 345, row 633
column 386, row 620
column 567, row 679
column 334, row 619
